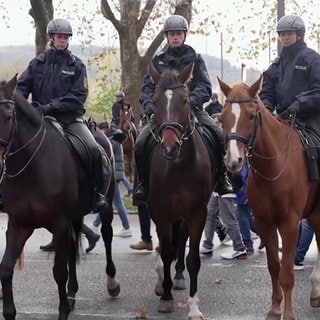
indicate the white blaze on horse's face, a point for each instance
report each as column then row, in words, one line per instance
column 234, row 154
column 169, row 95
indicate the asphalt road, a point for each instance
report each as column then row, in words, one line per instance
column 228, row 290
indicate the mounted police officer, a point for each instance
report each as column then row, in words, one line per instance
column 116, row 108
column 291, row 85
column 57, row 81
column 177, row 56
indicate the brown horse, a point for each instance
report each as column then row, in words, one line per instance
column 127, row 129
column 180, row 183
column 279, row 190
column 41, row 186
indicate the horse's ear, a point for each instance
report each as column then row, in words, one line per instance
column 224, row 87
column 255, row 88
column 154, row 73
column 187, row 73
column 11, row 85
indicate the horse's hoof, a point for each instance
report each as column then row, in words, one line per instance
column 315, row 302
column 166, row 306
column 195, row 318
column 158, row 290
column 114, row 292
column 273, row 317
column 72, row 302
column 179, row 284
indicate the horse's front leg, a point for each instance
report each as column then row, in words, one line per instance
column 166, row 304
column 179, row 280
column 315, row 276
column 195, row 228
column 62, row 238
column 15, row 238
column 270, row 238
column 107, row 235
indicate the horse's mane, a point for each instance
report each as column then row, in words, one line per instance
column 169, row 79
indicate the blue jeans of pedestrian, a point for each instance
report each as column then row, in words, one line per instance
column 127, row 184
column 305, row 240
column 246, row 223
column 121, row 209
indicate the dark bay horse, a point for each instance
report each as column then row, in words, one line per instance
column 127, row 129
column 180, row 184
column 41, row 187
column 279, row 190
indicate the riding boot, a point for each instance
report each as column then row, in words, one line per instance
column 223, row 183
column 101, row 176
column 141, row 161
column 48, row 247
column 91, row 236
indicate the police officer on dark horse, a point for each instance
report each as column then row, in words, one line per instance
column 177, row 56
column 57, row 81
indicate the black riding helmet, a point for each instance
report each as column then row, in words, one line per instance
column 291, row 22
column 61, row 26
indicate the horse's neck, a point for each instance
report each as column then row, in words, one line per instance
column 272, row 135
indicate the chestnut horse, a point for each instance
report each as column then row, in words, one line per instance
column 279, row 190
column 41, row 186
column 126, row 128
column 180, row 184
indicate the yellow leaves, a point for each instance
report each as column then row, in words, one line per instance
column 142, row 314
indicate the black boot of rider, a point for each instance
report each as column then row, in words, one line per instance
column 101, row 203
column 223, row 185
column 139, row 194
column 48, row 247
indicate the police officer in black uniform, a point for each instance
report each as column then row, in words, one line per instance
column 116, row 108
column 177, row 56
column 291, row 85
column 57, row 81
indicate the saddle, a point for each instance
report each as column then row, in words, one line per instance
column 310, row 138
column 76, row 144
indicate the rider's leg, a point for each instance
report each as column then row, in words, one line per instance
column 223, row 183
column 141, row 162
column 101, row 168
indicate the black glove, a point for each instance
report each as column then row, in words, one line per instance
column 44, row 109
column 292, row 110
column 193, row 101
column 149, row 109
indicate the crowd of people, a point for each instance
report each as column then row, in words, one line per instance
column 57, row 81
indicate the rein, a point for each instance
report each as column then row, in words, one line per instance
column 8, row 154
column 251, row 140
column 3, row 142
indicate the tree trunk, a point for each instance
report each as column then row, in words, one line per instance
column 42, row 12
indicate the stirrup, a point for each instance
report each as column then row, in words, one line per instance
column 101, row 203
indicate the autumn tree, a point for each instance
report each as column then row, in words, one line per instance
column 131, row 24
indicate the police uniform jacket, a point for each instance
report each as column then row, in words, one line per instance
column 58, row 78
column 173, row 59
column 294, row 75
column 116, row 139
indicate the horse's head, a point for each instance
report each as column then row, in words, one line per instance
column 125, row 118
column 172, row 113
column 240, row 119
column 6, row 114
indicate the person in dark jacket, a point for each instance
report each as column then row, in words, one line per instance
column 291, row 85
column 214, row 106
column 57, row 81
column 116, row 108
column 176, row 57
